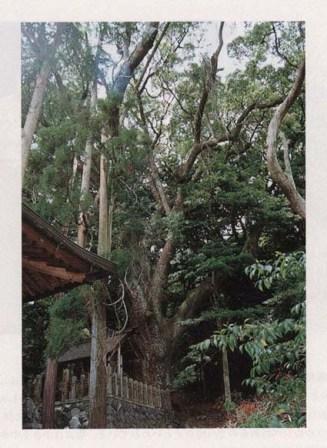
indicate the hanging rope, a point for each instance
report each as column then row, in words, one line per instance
column 118, row 305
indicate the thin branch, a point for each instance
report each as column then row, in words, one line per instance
column 280, row 54
column 212, row 143
column 161, row 63
column 153, row 52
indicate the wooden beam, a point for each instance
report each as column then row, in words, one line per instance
column 27, row 289
column 46, row 282
column 54, row 249
column 44, row 268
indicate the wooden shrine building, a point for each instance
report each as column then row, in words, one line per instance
column 52, row 263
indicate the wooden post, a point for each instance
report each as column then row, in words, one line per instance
column 121, row 384
column 150, row 395
column 29, row 389
column 156, row 397
column 72, row 394
column 114, row 383
column 82, row 385
column 159, row 398
column 126, row 392
column 78, row 388
column 65, row 385
column 146, row 397
column 87, row 384
column 49, row 394
column 131, row 389
column 109, row 380
column 135, row 390
column 141, row 393
column 119, row 361
column 37, row 392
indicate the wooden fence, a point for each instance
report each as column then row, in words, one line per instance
column 118, row 386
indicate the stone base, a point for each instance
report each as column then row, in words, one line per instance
column 120, row 414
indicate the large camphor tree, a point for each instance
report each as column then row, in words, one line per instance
column 149, row 153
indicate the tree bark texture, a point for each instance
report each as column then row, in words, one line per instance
column 283, row 179
column 48, row 412
column 103, row 208
column 98, row 373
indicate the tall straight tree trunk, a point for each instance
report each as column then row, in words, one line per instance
column 98, row 381
column 98, row 372
column 228, row 396
column 85, row 185
column 49, row 392
column 98, row 343
column 103, row 208
column 111, row 202
column 34, row 110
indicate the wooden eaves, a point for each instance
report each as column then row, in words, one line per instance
column 52, row 263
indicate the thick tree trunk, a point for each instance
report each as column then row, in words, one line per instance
column 228, row 396
column 160, row 276
column 98, row 373
column 158, row 358
column 48, row 413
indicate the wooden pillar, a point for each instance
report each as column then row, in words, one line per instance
column 146, row 398
column 82, row 385
column 37, row 390
column 72, row 394
column 150, row 395
column 159, row 398
column 109, row 380
column 131, row 389
column 49, row 393
column 115, row 385
column 65, row 386
column 141, row 393
column 125, row 388
column 135, row 390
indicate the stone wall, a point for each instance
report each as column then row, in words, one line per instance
column 120, row 414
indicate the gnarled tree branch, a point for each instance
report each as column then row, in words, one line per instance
column 281, row 178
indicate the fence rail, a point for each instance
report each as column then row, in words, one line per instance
column 118, row 386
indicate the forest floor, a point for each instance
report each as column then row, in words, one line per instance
column 212, row 414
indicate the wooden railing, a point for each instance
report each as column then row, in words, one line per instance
column 121, row 386
column 118, row 386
